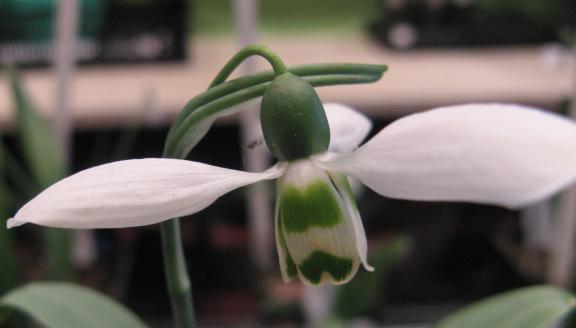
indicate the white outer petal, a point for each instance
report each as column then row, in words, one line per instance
column 133, row 193
column 354, row 215
column 348, row 127
column 501, row 154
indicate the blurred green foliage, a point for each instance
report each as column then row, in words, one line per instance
column 42, row 153
column 528, row 307
column 9, row 270
column 44, row 159
column 65, row 305
column 21, row 177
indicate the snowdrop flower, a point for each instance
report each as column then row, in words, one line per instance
column 498, row 154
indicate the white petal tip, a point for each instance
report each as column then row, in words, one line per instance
column 368, row 267
column 286, row 279
column 13, row 222
column 348, row 127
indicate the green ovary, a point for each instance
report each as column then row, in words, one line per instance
column 315, row 205
column 319, row 262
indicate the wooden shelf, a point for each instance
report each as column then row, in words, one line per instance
column 108, row 96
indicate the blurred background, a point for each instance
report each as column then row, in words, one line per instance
column 101, row 80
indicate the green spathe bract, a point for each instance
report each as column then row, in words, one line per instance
column 293, row 119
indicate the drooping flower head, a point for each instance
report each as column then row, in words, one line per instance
column 498, row 154
column 319, row 233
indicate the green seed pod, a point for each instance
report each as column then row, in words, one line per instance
column 293, row 120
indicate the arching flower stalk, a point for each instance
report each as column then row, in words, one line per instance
column 487, row 153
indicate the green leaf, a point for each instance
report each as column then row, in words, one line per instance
column 9, row 268
column 65, row 305
column 45, row 160
column 361, row 296
column 42, row 152
column 529, row 307
column 197, row 116
column 18, row 176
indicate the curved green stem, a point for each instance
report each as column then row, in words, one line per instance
column 196, row 118
column 177, row 278
column 371, row 73
column 252, row 50
column 179, row 286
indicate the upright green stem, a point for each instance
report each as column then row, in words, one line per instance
column 179, row 286
column 253, row 50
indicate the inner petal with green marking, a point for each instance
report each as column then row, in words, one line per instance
column 315, row 227
column 320, row 262
column 315, row 205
